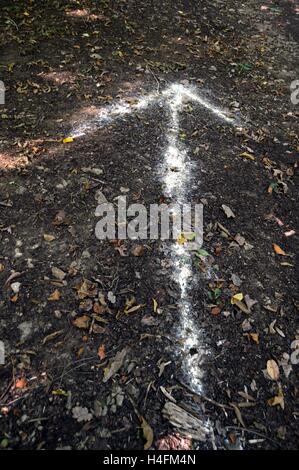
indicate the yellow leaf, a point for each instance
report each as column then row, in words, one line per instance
column 181, row 239
column 133, row 309
column 55, row 296
column 67, row 140
column 155, row 305
column 148, row 433
column 59, row 391
column 48, row 238
column 278, row 250
column 236, row 298
column 254, row 337
column 277, row 400
column 273, row 369
column 247, row 155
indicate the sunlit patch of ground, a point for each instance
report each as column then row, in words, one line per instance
column 10, row 162
column 59, row 78
column 84, row 13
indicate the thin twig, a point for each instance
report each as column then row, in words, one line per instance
column 252, row 431
column 203, row 397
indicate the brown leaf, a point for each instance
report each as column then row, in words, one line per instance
column 148, row 433
column 14, row 298
column 254, row 337
column 273, row 369
column 21, row 383
column 98, row 309
column 238, row 414
column 115, row 364
column 241, row 306
column 278, row 250
column 216, row 311
column 55, row 296
column 82, row 322
column 86, row 289
column 98, row 329
column 52, row 336
column 60, row 218
column 86, row 305
column 278, row 400
column 101, row 352
column 138, row 250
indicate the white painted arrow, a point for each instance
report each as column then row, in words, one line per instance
column 176, row 183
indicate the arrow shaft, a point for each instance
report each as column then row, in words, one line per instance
column 175, row 169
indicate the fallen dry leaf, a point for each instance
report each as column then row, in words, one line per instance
column 134, row 309
column 82, row 322
column 21, row 383
column 273, row 369
column 98, row 329
column 278, row 250
column 101, row 352
column 98, row 309
column 181, row 240
column 115, row 364
column 228, row 212
column 138, row 250
column 60, row 218
column 216, row 311
column 278, row 400
column 55, row 296
column 48, row 238
column 58, row 273
column 148, row 433
column 236, row 298
column 14, row 298
column 86, row 289
column 52, row 336
column 67, row 140
column 247, row 155
column 249, row 302
column 254, row 337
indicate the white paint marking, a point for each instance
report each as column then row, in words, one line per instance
column 176, row 171
column 175, row 93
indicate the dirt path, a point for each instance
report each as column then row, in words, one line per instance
column 108, row 343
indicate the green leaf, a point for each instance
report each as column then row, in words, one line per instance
column 4, row 443
column 202, row 252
